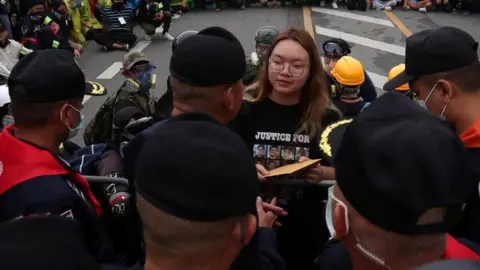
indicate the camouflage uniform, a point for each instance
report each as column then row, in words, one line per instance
column 263, row 39
column 128, row 103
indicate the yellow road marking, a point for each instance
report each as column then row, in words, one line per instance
column 307, row 21
column 398, row 23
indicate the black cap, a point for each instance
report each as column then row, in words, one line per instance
column 214, row 56
column 435, row 50
column 182, row 37
column 44, row 243
column 196, row 169
column 47, row 76
column 396, row 161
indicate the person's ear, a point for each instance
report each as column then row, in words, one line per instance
column 65, row 114
column 446, row 89
column 245, row 229
column 339, row 221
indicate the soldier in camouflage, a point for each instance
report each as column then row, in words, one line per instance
column 263, row 39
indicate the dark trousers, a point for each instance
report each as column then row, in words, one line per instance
column 109, row 38
column 150, row 27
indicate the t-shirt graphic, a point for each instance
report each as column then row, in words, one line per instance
column 278, row 149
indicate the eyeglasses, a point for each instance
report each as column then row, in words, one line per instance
column 294, row 69
column 332, row 48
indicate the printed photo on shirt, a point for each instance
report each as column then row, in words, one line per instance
column 301, row 152
column 260, row 162
column 288, row 153
column 259, row 150
column 274, row 152
column 272, row 164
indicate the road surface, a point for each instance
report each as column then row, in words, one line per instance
column 377, row 38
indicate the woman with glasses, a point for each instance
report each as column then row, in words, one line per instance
column 333, row 50
column 287, row 113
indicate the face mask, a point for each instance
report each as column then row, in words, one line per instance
column 36, row 17
column 423, row 103
column 329, row 213
column 146, row 81
column 74, row 131
column 117, row 6
column 333, row 233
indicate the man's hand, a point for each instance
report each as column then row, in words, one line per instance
column 261, row 172
column 76, row 52
column 272, row 207
column 314, row 174
column 266, row 219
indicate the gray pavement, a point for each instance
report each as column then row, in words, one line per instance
column 243, row 24
column 376, row 41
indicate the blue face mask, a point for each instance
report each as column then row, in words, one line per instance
column 74, row 131
column 146, row 81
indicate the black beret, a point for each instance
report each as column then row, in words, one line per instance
column 193, row 168
column 50, row 242
column 47, row 76
column 213, row 56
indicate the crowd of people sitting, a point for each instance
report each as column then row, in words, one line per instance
column 57, row 24
column 208, row 166
column 202, row 189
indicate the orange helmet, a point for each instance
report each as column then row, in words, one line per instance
column 394, row 72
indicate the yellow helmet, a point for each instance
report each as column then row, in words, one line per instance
column 394, row 72
column 348, row 71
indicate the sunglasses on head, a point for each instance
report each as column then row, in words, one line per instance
column 333, row 49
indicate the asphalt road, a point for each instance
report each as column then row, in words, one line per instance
column 377, row 38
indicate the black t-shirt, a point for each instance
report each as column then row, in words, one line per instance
column 269, row 131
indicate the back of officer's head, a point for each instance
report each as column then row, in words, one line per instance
column 402, row 179
column 206, row 71
column 196, row 205
column 46, row 89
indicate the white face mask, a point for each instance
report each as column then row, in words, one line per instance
column 423, row 103
column 329, row 213
column 333, row 233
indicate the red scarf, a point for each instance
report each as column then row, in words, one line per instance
column 21, row 161
column 457, row 251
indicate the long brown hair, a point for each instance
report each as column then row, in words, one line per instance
column 314, row 97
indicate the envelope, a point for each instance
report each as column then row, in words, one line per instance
column 293, row 168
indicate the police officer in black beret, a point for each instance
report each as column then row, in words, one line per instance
column 164, row 106
column 46, row 90
column 210, row 83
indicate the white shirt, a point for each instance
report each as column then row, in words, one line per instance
column 9, row 56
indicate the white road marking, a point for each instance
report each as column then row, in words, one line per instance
column 371, row 43
column 85, row 99
column 110, row 72
column 353, row 16
column 377, row 79
column 141, row 45
column 176, row 16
